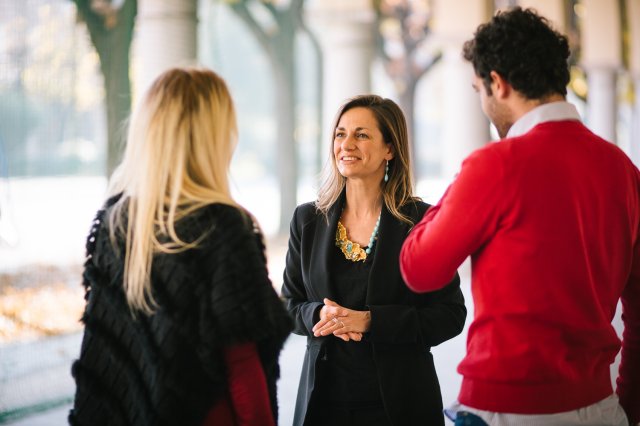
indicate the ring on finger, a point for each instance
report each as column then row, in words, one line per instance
column 335, row 320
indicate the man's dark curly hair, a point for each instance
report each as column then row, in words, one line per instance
column 522, row 47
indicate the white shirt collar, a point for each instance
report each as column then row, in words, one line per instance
column 553, row 111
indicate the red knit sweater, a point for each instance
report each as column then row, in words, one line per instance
column 247, row 403
column 551, row 220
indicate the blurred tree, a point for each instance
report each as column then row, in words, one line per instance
column 41, row 93
column 20, row 116
column 403, row 31
column 275, row 25
column 110, row 24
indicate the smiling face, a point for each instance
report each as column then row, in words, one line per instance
column 359, row 150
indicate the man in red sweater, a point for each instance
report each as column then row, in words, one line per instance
column 550, row 216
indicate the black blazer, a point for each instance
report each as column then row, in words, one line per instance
column 404, row 325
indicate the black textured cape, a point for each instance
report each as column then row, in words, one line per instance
column 168, row 368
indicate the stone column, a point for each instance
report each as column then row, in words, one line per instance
column 166, row 36
column 465, row 128
column 601, row 58
column 602, row 110
column 633, row 14
column 345, row 30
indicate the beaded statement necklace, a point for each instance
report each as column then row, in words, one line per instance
column 352, row 251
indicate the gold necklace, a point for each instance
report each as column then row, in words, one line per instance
column 352, row 251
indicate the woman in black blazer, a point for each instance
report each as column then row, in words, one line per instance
column 368, row 357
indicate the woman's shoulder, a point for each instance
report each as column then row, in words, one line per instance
column 226, row 212
column 304, row 215
column 306, row 210
column 219, row 218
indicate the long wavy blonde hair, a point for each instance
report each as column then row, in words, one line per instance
column 180, row 141
column 398, row 191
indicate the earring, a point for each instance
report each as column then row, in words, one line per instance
column 386, row 172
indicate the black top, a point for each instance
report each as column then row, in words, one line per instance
column 351, row 371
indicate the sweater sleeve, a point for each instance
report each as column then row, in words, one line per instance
column 426, row 319
column 628, row 382
column 248, row 397
column 462, row 221
column 248, row 386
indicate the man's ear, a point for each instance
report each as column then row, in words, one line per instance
column 500, row 88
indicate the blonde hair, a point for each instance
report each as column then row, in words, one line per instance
column 180, row 142
column 398, row 191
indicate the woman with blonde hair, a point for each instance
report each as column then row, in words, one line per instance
column 368, row 359
column 182, row 324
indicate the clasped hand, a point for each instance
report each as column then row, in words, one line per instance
column 343, row 323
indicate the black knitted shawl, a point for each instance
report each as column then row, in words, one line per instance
column 168, row 368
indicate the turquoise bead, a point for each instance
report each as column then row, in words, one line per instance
column 374, row 235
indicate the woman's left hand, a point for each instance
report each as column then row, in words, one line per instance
column 347, row 326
